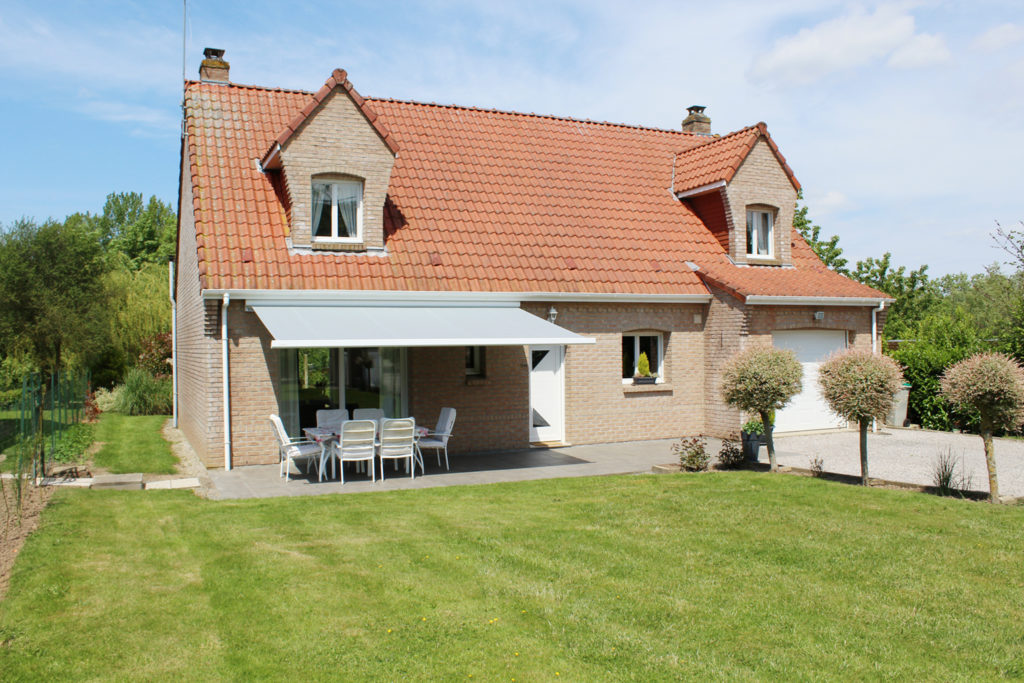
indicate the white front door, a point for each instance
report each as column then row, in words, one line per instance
column 546, row 393
column 808, row 409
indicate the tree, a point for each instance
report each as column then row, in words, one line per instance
column 143, row 231
column 1012, row 242
column 992, row 384
column 762, row 380
column 829, row 251
column 860, row 386
column 52, row 294
column 913, row 292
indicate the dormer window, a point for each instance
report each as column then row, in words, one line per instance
column 759, row 233
column 338, row 210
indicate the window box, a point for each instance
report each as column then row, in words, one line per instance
column 645, row 380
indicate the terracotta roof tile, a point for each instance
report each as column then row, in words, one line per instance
column 479, row 200
column 719, row 158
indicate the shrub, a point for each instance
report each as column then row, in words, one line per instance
column 155, row 357
column 860, row 386
column 817, row 466
column 9, row 397
column 106, row 399
column 762, row 380
column 143, row 394
column 992, row 384
column 92, row 409
column 693, row 456
column 730, row 456
column 643, row 365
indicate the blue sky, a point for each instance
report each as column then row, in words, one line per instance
column 902, row 120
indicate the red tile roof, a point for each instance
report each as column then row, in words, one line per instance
column 719, row 158
column 479, row 200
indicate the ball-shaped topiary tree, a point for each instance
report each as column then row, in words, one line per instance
column 992, row 384
column 860, row 386
column 762, row 380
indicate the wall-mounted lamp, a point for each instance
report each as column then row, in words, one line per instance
column 819, row 315
column 552, row 314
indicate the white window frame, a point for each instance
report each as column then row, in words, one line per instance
column 660, row 379
column 770, row 217
column 334, row 237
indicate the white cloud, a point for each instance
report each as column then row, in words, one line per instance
column 853, row 40
column 999, row 37
column 829, row 203
column 922, row 50
column 145, row 118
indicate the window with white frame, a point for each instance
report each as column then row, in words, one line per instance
column 759, row 233
column 650, row 343
column 338, row 210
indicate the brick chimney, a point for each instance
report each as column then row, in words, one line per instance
column 696, row 121
column 213, row 68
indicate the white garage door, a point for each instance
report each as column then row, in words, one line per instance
column 808, row 409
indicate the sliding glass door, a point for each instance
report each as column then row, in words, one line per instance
column 315, row 379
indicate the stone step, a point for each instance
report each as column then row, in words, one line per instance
column 187, row 483
column 119, row 482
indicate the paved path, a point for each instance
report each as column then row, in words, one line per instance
column 263, row 481
column 906, row 455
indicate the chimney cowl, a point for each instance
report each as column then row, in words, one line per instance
column 213, row 68
column 696, row 120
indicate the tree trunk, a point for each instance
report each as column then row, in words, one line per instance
column 864, row 451
column 990, row 459
column 768, row 427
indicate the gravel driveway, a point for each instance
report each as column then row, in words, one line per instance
column 906, row 455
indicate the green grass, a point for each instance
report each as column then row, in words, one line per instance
column 133, row 444
column 725, row 575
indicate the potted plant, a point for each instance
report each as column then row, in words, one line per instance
column 752, row 436
column 643, row 371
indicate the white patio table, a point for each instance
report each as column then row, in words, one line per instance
column 323, row 437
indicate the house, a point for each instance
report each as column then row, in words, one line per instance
column 511, row 265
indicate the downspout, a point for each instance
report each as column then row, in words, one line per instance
column 874, row 343
column 224, row 376
column 174, row 343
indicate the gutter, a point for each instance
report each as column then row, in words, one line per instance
column 763, row 300
column 224, row 377
column 874, row 325
column 398, row 297
column 174, row 341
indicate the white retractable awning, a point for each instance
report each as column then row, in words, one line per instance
column 297, row 326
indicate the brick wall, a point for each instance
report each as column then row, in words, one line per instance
column 492, row 412
column 196, row 351
column 723, row 338
column 761, row 180
column 254, row 370
column 763, row 320
column 337, row 139
column 599, row 408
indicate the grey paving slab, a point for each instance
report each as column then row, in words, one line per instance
column 263, row 481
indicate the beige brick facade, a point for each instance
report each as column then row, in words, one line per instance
column 337, row 141
column 760, row 181
column 493, row 410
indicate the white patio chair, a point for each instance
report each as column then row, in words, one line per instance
column 367, row 414
column 438, row 439
column 356, row 443
column 331, row 419
column 289, row 449
column 398, row 442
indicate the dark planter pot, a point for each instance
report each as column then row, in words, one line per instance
column 644, row 380
column 751, row 445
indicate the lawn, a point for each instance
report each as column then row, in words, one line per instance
column 133, row 444
column 738, row 575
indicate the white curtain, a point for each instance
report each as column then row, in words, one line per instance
column 348, row 197
column 321, row 196
column 764, row 230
